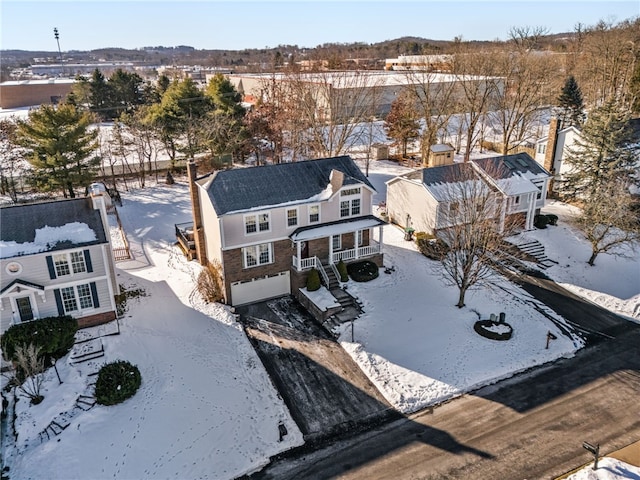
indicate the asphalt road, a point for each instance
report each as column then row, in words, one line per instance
column 529, row 427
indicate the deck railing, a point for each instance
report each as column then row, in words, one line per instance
column 355, row 253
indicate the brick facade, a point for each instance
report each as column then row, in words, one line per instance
column 98, row 319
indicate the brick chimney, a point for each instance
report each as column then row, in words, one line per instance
column 198, row 231
column 552, row 143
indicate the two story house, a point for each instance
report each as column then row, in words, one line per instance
column 56, row 259
column 429, row 199
column 268, row 226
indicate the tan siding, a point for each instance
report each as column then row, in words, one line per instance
column 406, row 197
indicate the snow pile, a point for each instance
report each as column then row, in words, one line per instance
column 47, row 238
column 608, row 469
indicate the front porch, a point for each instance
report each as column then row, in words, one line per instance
column 327, row 244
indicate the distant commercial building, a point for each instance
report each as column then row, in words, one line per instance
column 27, row 93
column 429, row 63
column 72, row 69
column 339, row 94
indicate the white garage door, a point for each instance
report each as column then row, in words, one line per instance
column 260, row 289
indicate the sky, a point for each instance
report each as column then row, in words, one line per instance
column 208, row 24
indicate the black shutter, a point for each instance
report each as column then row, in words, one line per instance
column 94, row 294
column 56, row 292
column 52, row 267
column 87, row 261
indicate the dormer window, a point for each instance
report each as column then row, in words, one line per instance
column 350, row 202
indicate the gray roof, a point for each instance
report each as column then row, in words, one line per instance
column 254, row 187
column 444, row 174
column 505, row 166
column 18, row 223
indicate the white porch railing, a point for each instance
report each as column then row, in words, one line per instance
column 355, row 253
column 308, row 263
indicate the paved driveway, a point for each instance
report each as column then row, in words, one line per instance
column 325, row 390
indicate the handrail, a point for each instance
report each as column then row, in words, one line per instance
column 318, row 266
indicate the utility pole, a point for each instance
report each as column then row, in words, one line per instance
column 57, row 37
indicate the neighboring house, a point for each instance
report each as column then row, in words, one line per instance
column 427, row 199
column 56, row 259
column 551, row 152
column 268, row 226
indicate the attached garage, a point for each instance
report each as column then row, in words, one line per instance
column 260, row 289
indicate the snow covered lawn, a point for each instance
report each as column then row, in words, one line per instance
column 419, row 349
column 608, row 469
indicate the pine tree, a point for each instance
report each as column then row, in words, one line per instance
column 571, row 104
column 61, row 147
column 401, row 123
column 604, row 151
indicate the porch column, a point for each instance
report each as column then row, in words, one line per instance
column 380, row 237
column 355, row 241
column 298, row 255
column 330, row 249
column 532, row 210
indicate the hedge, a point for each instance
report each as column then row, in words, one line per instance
column 363, row 271
column 342, row 270
column 313, row 281
column 54, row 335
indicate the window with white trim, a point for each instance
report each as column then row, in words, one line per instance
column 539, row 194
column 256, row 223
column 314, row 213
column 516, row 200
column 359, row 238
column 255, row 255
column 66, row 263
column 336, row 242
column 292, row 217
column 350, row 206
column 78, row 295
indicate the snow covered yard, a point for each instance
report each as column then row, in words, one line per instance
column 613, row 282
column 608, row 469
column 206, row 407
column 419, row 349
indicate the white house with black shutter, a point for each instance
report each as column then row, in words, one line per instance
column 56, row 259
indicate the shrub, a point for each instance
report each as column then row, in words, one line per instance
column 552, row 219
column 53, row 335
column 433, row 248
column 116, row 382
column 423, row 236
column 210, row 284
column 540, row 221
column 342, row 270
column 313, row 281
column 363, row 271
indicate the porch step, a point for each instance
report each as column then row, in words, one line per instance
column 331, row 275
column 85, row 351
column 535, row 249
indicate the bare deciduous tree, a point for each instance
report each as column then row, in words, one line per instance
column 609, row 220
column 31, row 366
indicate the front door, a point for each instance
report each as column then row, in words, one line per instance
column 304, row 250
column 24, row 309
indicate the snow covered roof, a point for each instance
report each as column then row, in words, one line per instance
column 49, row 226
column 335, row 228
column 243, row 189
column 441, row 147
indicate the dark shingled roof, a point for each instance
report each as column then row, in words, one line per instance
column 254, row 187
column 505, row 166
column 445, row 174
column 18, row 223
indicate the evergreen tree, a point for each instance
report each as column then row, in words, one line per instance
column 61, row 147
column 603, row 152
column 224, row 95
column 571, row 104
column 401, row 123
column 99, row 95
column 125, row 91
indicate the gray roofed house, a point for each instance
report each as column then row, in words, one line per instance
column 424, row 199
column 256, row 187
column 56, row 259
column 268, row 226
column 19, row 223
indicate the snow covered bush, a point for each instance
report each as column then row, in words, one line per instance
column 116, row 382
column 30, row 366
column 210, row 283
